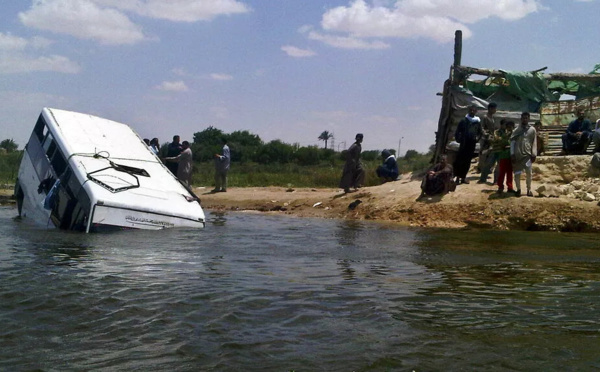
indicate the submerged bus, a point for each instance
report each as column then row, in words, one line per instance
column 85, row 173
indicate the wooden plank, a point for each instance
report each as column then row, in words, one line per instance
column 466, row 70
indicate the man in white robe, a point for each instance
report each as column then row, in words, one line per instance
column 523, row 151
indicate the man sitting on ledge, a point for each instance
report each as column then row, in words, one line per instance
column 438, row 179
column 388, row 171
column 578, row 136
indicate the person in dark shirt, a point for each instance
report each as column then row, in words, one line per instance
column 467, row 135
column 388, row 171
column 174, row 150
column 353, row 174
column 578, row 135
column 438, row 179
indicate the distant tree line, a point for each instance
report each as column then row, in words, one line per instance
column 248, row 147
column 9, row 145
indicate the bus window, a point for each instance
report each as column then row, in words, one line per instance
column 58, row 162
column 69, row 212
column 49, row 145
column 40, row 129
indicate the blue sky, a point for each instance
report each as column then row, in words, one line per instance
column 282, row 69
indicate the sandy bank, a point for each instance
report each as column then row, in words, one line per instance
column 472, row 205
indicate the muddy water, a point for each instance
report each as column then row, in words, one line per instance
column 257, row 293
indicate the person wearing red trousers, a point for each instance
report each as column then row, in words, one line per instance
column 501, row 147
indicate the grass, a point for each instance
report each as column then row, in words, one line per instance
column 324, row 175
column 9, row 168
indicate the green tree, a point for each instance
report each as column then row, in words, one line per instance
column 9, row 145
column 244, row 145
column 209, row 136
column 431, row 150
column 370, row 155
column 207, row 143
column 275, row 151
column 410, row 154
column 325, row 136
column 307, row 155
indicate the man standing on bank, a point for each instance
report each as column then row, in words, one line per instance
column 467, row 134
column 173, row 150
column 353, row 174
column 523, row 151
column 487, row 158
column 184, row 163
column 222, row 162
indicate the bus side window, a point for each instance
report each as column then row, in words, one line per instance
column 58, row 162
column 40, row 129
column 49, row 145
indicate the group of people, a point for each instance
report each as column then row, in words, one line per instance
column 179, row 161
column 513, row 148
column 353, row 175
column 153, row 145
column 508, row 148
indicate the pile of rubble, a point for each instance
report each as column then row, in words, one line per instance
column 587, row 190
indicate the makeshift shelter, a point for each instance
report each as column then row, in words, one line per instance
column 550, row 98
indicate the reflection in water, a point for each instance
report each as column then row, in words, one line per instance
column 490, row 282
column 218, row 218
column 348, row 232
column 270, row 293
column 348, row 273
column 348, row 235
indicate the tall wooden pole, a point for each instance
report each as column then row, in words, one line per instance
column 457, row 47
column 441, row 136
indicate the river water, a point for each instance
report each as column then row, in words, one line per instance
column 267, row 293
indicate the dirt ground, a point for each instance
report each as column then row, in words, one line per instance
column 472, row 205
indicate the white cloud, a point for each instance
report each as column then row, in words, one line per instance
column 292, row 51
column 19, row 55
column 347, row 42
column 105, row 21
column 82, row 19
column 221, row 76
column 21, row 63
column 10, row 42
column 179, row 10
column 304, row 29
column 173, row 86
column 179, row 72
column 469, row 11
column 433, row 19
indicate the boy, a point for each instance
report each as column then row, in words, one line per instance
column 501, row 148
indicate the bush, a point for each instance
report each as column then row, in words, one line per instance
column 307, row 155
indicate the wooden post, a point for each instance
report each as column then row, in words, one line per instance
column 457, row 47
column 441, row 136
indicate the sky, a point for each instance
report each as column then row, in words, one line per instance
column 281, row 69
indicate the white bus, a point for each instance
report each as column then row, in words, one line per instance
column 85, row 173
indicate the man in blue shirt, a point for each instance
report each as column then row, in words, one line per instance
column 388, row 171
column 578, row 135
column 222, row 163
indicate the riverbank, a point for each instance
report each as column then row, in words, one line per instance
column 471, row 205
